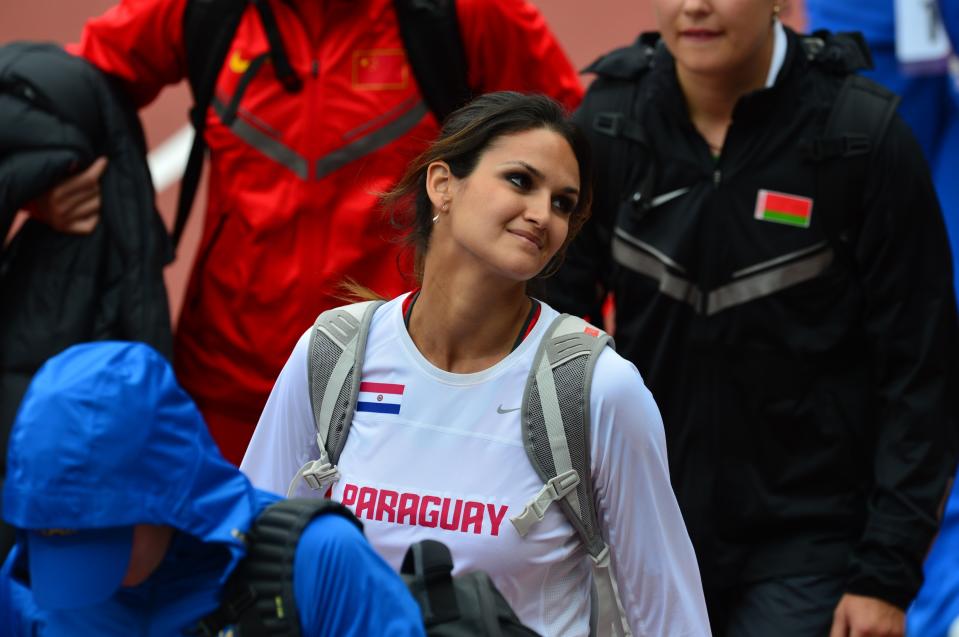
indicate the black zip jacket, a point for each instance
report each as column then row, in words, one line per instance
column 804, row 373
column 57, row 114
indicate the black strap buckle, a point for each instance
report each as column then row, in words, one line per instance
column 608, row 123
column 855, row 145
column 825, row 148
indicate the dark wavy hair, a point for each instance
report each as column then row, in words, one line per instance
column 465, row 136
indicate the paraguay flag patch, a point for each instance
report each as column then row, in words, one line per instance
column 780, row 207
column 380, row 398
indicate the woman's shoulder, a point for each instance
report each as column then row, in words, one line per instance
column 623, row 412
column 611, row 372
column 615, row 376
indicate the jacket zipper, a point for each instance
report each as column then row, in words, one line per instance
column 703, row 298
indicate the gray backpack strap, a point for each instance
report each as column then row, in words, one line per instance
column 555, row 422
column 335, row 360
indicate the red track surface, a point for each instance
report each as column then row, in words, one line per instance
column 586, row 29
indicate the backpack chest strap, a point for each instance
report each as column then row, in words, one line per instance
column 554, row 490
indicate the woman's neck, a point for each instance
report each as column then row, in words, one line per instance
column 466, row 322
column 711, row 97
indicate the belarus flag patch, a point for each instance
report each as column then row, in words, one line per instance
column 380, row 398
column 779, row 207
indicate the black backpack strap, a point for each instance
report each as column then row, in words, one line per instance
column 856, row 126
column 281, row 61
column 431, row 563
column 857, row 121
column 468, row 604
column 434, row 46
column 260, row 600
column 208, row 29
column 616, row 114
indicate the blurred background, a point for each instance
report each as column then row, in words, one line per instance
column 586, row 29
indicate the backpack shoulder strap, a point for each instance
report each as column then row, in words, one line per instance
column 856, row 125
column 334, row 369
column 613, row 95
column 260, row 601
column 208, row 30
column 858, row 120
column 555, row 422
column 431, row 36
column 612, row 114
column 556, row 430
column 427, row 570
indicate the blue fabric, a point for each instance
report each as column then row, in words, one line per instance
column 19, row 616
column 926, row 102
column 937, row 605
column 368, row 596
column 949, row 9
column 106, row 437
column 184, row 588
column 873, row 18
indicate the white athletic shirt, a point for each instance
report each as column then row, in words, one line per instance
column 432, row 454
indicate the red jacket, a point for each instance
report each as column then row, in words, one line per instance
column 292, row 206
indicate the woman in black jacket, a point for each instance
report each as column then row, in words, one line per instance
column 781, row 277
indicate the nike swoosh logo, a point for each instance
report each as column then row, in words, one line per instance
column 500, row 410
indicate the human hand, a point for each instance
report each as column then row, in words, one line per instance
column 73, row 206
column 859, row 616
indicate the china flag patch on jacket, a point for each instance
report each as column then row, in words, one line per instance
column 780, row 207
column 380, row 69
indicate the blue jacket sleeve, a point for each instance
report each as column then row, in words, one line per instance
column 343, row 588
column 937, row 605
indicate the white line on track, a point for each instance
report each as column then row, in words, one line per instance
column 168, row 160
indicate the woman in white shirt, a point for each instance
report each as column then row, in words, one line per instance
column 489, row 206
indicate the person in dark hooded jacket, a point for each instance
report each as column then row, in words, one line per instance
column 131, row 522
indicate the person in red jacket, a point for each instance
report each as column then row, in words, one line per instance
column 292, row 206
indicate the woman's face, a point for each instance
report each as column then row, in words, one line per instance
column 721, row 37
column 512, row 213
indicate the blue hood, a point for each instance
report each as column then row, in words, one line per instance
column 106, row 437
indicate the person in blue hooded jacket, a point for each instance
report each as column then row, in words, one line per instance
column 130, row 522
